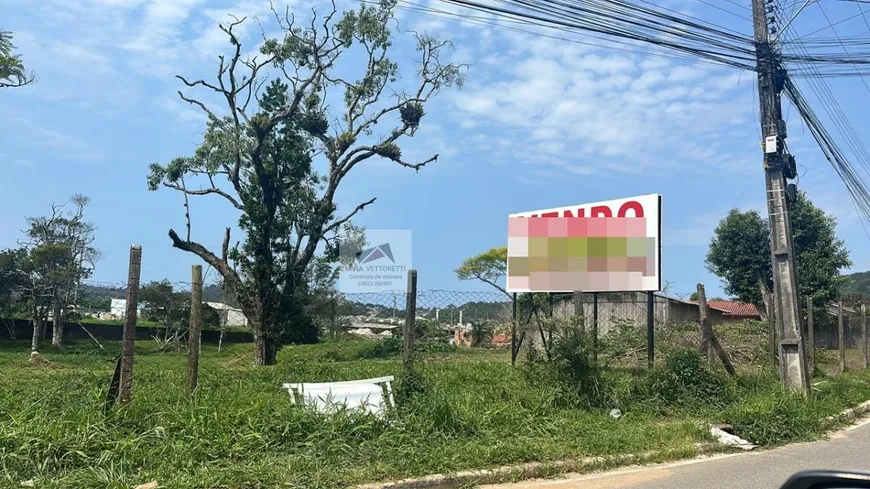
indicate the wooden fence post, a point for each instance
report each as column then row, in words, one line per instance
column 709, row 342
column 811, row 339
column 410, row 317
column 706, row 347
column 864, row 332
column 842, row 342
column 194, row 333
column 125, row 393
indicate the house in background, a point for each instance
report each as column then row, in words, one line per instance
column 118, row 308
column 735, row 311
column 230, row 316
column 631, row 308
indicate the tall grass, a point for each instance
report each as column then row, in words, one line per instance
column 239, row 430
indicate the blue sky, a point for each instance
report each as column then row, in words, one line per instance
column 539, row 123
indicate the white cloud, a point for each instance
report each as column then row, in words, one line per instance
column 55, row 143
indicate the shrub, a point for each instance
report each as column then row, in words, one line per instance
column 775, row 419
column 386, row 348
column 684, row 382
column 581, row 381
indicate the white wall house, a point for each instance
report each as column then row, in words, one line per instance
column 230, row 316
column 118, row 308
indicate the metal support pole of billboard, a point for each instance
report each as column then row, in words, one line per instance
column 650, row 328
column 514, row 329
column 595, row 327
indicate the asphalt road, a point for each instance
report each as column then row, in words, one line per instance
column 846, row 450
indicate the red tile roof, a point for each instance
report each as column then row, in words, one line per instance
column 731, row 308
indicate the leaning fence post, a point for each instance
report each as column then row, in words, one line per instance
column 410, row 317
column 709, row 342
column 125, row 393
column 194, row 334
column 811, row 339
column 864, row 332
column 842, row 343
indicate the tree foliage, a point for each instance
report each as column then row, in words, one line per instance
column 488, row 267
column 162, row 303
column 260, row 150
column 740, row 254
column 12, row 71
column 48, row 269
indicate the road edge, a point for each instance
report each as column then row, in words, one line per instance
column 534, row 470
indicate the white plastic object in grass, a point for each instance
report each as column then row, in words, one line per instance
column 374, row 396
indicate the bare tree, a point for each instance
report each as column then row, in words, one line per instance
column 259, row 155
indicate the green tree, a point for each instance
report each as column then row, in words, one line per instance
column 260, row 156
column 740, row 255
column 11, row 284
column 57, row 256
column 163, row 304
column 489, row 267
column 12, row 71
column 63, row 241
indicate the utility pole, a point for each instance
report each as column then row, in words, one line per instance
column 779, row 165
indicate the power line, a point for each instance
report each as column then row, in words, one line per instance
column 725, row 10
column 623, row 20
column 844, row 46
column 486, row 21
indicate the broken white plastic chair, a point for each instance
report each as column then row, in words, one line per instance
column 366, row 395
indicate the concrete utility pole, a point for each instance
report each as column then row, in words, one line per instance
column 779, row 165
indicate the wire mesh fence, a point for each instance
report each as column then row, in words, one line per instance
column 81, row 353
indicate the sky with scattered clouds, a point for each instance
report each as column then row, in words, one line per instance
column 540, row 122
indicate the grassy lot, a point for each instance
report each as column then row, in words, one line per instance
column 474, row 411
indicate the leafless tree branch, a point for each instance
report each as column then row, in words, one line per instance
column 205, row 191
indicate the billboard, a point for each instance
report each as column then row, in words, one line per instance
column 610, row 246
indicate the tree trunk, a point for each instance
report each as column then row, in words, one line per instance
column 57, row 321
column 37, row 332
column 265, row 348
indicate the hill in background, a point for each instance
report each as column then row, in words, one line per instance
column 859, row 283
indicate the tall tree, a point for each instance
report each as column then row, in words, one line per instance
column 12, row 71
column 11, row 284
column 740, row 255
column 60, row 255
column 259, row 151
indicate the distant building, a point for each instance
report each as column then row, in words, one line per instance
column 735, row 311
column 229, row 316
column 118, row 308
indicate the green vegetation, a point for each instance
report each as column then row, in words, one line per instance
column 471, row 410
column 739, row 254
column 12, row 70
column 857, row 283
